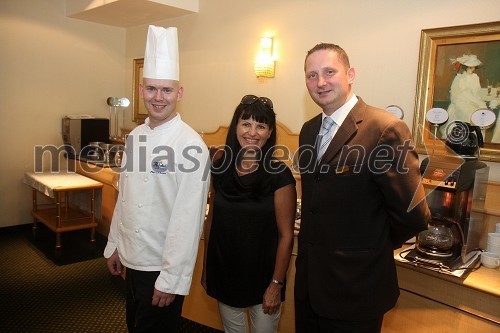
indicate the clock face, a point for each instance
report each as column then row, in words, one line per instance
column 437, row 116
column 484, row 118
column 396, row 110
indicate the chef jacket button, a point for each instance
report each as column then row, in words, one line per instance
column 311, row 212
column 136, row 231
column 317, row 179
column 139, row 205
column 146, row 179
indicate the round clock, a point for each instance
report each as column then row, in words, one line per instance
column 437, row 116
column 396, row 110
column 484, row 118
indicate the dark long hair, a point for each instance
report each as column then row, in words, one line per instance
column 256, row 111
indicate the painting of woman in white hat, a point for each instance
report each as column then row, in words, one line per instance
column 465, row 88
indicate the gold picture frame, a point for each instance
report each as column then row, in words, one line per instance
column 140, row 111
column 438, row 47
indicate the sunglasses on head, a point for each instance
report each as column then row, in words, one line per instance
column 250, row 99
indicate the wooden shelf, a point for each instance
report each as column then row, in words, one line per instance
column 70, row 219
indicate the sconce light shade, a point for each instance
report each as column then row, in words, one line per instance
column 264, row 63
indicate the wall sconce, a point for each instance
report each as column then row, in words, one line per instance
column 264, row 62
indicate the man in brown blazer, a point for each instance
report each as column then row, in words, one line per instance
column 360, row 200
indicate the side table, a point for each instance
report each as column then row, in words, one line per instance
column 59, row 216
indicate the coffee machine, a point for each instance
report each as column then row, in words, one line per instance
column 456, row 192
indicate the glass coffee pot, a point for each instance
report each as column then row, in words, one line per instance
column 463, row 138
column 439, row 239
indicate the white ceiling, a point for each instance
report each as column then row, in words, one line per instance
column 129, row 13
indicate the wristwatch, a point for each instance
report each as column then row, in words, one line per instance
column 277, row 282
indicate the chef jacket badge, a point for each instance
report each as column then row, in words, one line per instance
column 160, row 167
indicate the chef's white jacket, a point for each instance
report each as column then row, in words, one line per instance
column 161, row 205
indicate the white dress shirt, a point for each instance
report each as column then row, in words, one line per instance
column 339, row 115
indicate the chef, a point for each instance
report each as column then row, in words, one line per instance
column 160, row 209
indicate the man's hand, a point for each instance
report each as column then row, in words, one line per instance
column 114, row 264
column 162, row 299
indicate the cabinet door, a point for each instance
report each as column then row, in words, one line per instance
column 416, row 314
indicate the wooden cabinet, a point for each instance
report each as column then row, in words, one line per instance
column 109, row 177
column 417, row 314
column 198, row 306
column 431, row 302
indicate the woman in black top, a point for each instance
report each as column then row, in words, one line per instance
column 249, row 227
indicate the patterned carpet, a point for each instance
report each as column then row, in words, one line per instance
column 71, row 292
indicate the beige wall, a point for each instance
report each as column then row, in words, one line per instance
column 51, row 65
column 219, row 44
column 382, row 38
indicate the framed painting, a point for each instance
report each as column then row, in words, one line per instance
column 140, row 112
column 458, row 71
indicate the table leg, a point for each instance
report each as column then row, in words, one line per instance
column 58, row 241
column 92, row 212
column 66, row 203
column 58, row 220
column 35, row 226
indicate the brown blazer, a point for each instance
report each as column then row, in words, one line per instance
column 355, row 212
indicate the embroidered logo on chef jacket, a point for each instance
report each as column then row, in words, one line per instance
column 159, row 167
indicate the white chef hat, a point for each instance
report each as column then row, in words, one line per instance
column 161, row 58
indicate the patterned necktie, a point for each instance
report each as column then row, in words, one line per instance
column 324, row 136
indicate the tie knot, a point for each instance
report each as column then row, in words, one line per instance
column 327, row 124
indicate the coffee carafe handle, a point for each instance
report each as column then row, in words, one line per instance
column 479, row 135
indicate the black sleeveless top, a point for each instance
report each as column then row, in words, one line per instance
column 243, row 241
